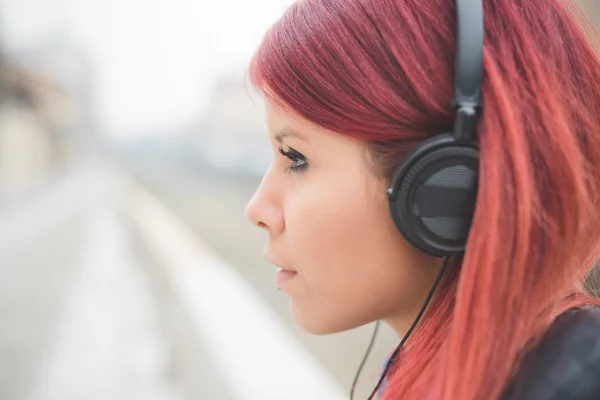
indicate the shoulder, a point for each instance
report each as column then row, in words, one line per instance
column 565, row 364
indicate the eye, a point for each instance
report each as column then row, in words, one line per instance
column 299, row 162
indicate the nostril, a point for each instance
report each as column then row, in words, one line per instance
column 262, row 225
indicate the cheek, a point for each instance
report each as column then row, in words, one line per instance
column 352, row 260
column 354, row 265
column 324, row 224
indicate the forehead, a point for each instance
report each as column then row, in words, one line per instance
column 279, row 119
column 285, row 124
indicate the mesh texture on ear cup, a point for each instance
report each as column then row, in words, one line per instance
column 436, row 199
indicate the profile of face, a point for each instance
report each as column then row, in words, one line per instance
column 327, row 217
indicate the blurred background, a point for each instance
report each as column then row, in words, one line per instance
column 130, row 142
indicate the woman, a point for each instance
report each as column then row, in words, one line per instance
column 352, row 87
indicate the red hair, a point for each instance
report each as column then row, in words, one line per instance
column 382, row 71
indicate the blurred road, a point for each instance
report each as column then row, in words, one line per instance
column 80, row 316
column 87, row 312
column 31, row 288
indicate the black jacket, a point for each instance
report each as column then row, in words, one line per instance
column 565, row 364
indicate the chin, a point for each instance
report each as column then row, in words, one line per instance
column 319, row 329
column 321, row 324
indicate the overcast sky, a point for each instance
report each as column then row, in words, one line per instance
column 155, row 59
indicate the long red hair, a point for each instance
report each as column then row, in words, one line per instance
column 382, row 71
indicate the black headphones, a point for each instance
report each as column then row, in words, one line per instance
column 433, row 191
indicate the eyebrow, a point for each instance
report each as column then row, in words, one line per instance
column 288, row 132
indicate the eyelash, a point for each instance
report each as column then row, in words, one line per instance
column 299, row 162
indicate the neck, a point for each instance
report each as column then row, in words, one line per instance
column 401, row 323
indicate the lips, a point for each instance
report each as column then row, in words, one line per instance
column 282, row 266
column 287, row 269
column 283, row 275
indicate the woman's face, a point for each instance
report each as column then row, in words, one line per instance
column 327, row 217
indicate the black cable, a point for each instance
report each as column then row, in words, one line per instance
column 410, row 330
column 364, row 360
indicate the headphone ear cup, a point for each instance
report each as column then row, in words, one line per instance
column 432, row 196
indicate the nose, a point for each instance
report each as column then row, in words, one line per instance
column 264, row 209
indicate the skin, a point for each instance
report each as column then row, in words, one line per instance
column 327, row 217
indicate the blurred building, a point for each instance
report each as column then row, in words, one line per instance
column 68, row 67
column 232, row 135
column 44, row 109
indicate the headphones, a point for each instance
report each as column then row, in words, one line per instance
column 433, row 191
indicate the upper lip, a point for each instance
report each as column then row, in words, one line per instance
column 278, row 264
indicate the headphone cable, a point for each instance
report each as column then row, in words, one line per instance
column 364, row 360
column 397, row 350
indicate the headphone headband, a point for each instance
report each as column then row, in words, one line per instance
column 433, row 191
column 469, row 53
